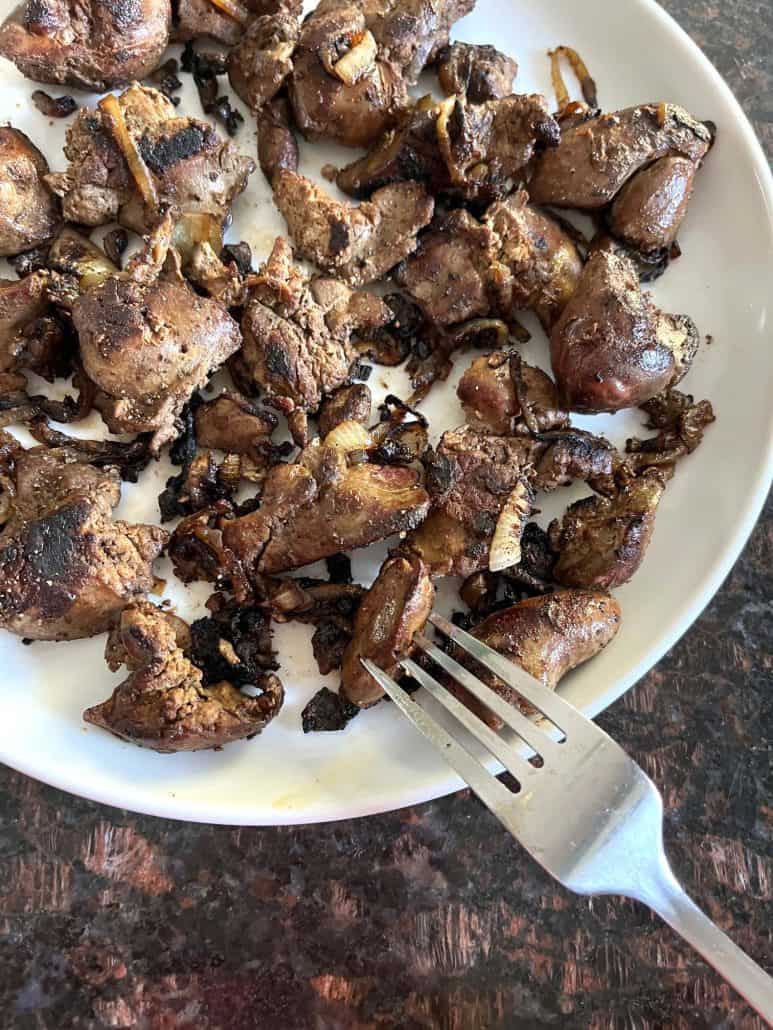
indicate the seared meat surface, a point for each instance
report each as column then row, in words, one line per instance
column 601, row 541
column 262, row 60
column 469, row 151
column 147, row 341
column 502, row 394
column 538, row 264
column 449, row 276
column 93, row 44
column 354, row 61
column 547, row 637
column 479, row 72
column 346, row 404
column 340, row 88
column 470, row 478
column 408, row 152
column 166, row 702
column 598, row 156
column 297, row 331
column 359, row 243
column 612, row 348
column 197, row 18
column 410, row 33
column 29, row 212
column 184, row 162
column 321, row 506
column 518, row 258
column 277, row 147
column 234, row 424
column 574, row 454
column 395, row 608
column 66, row 567
column 648, row 211
column 641, row 160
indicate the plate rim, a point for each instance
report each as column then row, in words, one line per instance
column 166, row 807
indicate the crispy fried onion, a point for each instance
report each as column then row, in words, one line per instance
column 17, row 406
column 129, row 458
column 587, row 85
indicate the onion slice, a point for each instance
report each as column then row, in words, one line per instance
column 193, row 228
column 234, row 10
column 77, row 255
column 578, row 66
column 505, row 550
column 113, row 117
column 349, row 436
column 358, row 61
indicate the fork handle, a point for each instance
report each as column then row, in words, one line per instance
column 666, row 896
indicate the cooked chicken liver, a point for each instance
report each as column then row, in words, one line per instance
column 601, row 541
column 147, row 342
column 612, row 348
column 262, row 60
column 479, row 72
column 192, row 169
column 165, row 704
column 359, row 243
column 352, row 107
column 93, row 44
column 469, row 478
column 320, row 506
column 66, row 567
column 29, row 211
column 547, row 636
column 297, row 331
column 395, row 608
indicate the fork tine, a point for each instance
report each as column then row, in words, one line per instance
column 546, row 701
column 528, row 731
column 522, row 769
column 494, row 795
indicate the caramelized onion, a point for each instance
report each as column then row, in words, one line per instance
column 480, row 327
column 505, row 549
column 587, row 85
column 76, row 255
column 348, row 436
column 113, row 116
column 357, row 61
column 234, row 10
column 194, row 227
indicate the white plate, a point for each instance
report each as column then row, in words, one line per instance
column 379, row 763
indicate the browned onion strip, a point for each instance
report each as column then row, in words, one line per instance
column 505, row 549
column 77, row 255
column 113, row 115
column 357, row 61
column 445, row 109
column 481, row 325
column 578, row 66
column 233, row 9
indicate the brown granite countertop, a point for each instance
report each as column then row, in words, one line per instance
column 429, row 917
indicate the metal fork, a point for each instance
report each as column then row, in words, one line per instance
column 587, row 813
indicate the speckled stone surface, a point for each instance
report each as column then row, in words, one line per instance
column 430, row 917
